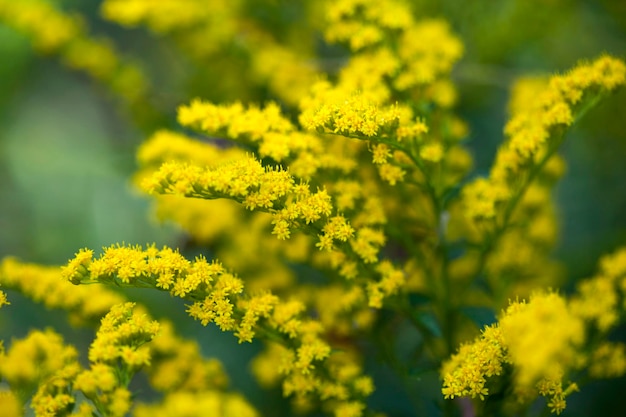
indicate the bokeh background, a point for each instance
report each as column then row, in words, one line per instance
column 67, row 144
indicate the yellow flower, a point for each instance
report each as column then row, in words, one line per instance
column 541, row 334
column 10, row 404
column 34, row 358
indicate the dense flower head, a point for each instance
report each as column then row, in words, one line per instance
column 34, row 358
column 349, row 113
column 466, row 373
column 535, row 349
column 362, row 23
column 166, row 145
column 531, row 128
column 535, row 130
column 53, row 397
column 115, row 355
column 597, row 299
column 244, row 180
column 121, row 333
column 429, row 59
column 292, row 205
column 234, row 120
column 538, row 339
column 545, row 339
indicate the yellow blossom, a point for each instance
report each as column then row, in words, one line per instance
column 10, row 404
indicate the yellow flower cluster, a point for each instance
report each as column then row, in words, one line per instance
column 33, row 359
column 66, row 35
column 200, row 25
column 262, row 262
column 465, row 373
column 189, row 404
column 287, row 71
column 545, row 339
column 540, row 335
column 27, row 16
column 54, row 398
column 122, row 332
column 176, row 363
column 531, row 130
column 206, row 28
column 115, row 355
column 360, row 103
column 552, row 387
column 535, row 132
column 366, row 24
column 430, row 59
column 267, row 131
column 274, row 190
column 10, row 404
column 41, row 284
column 234, row 121
column 393, row 280
column 539, row 339
column 401, row 242
column 162, row 17
column 349, row 311
column 291, row 205
column 39, row 364
column 344, row 111
column 598, row 299
column 218, row 297
column 362, row 23
column 350, row 113
column 165, row 145
column 194, row 216
column 244, row 180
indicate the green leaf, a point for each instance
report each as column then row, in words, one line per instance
column 482, row 316
column 428, row 322
column 418, row 299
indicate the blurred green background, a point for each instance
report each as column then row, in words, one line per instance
column 67, row 147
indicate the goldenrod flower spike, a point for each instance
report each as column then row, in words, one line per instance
column 543, row 341
column 363, row 23
column 10, row 404
column 116, row 354
column 32, row 360
column 177, row 364
column 535, row 132
column 244, row 180
column 217, row 296
column 52, row 31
